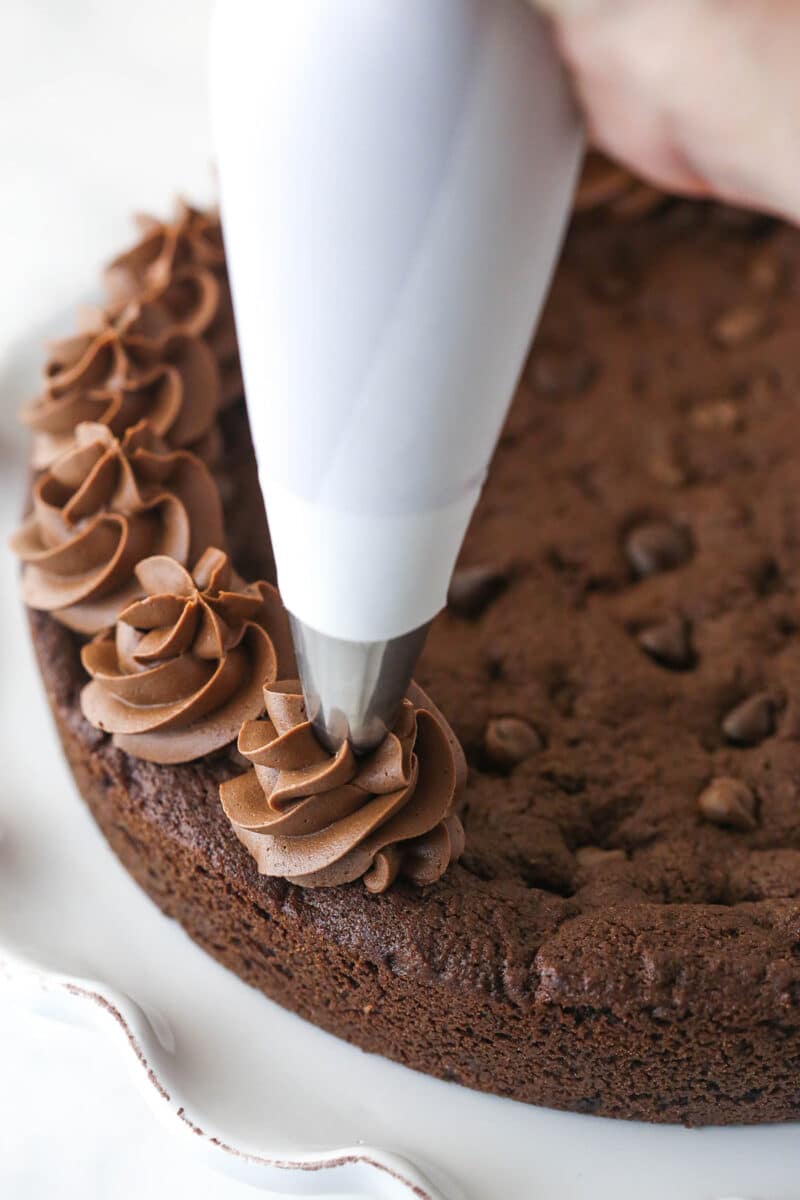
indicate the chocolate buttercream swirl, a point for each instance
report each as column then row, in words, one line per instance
column 168, row 262
column 99, row 510
column 141, row 362
column 320, row 819
column 185, row 665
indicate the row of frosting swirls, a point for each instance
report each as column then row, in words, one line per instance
column 167, row 261
column 125, row 543
column 121, row 368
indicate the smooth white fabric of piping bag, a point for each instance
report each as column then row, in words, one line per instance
column 395, row 179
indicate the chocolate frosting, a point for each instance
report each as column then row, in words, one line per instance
column 99, row 510
column 185, row 665
column 322, row 819
column 170, row 260
column 141, row 362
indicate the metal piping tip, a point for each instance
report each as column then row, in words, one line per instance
column 353, row 690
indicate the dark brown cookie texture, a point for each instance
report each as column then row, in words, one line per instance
column 622, row 934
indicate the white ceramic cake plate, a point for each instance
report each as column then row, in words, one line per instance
column 261, row 1094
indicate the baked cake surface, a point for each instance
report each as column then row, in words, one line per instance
column 621, row 660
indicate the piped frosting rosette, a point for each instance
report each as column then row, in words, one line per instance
column 321, row 819
column 185, row 665
column 99, row 510
column 141, row 363
column 193, row 238
column 168, row 261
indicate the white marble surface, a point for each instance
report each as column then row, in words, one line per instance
column 102, row 109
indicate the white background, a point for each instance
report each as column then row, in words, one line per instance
column 102, row 111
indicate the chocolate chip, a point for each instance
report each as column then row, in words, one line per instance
column 729, row 802
column 655, row 546
column 740, row 325
column 472, row 589
column 669, row 643
column 592, row 857
column 509, row 740
column 751, row 721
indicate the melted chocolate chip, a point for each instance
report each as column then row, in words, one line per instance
column 728, row 802
column 473, row 589
column 656, row 546
column 751, row 721
column 669, row 643
column 509, row 740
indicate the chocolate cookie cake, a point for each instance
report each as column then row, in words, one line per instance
column 618, row 929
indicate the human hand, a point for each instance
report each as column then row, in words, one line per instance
column 698, row 96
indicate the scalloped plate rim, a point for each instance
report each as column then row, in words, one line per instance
column 31, row 982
